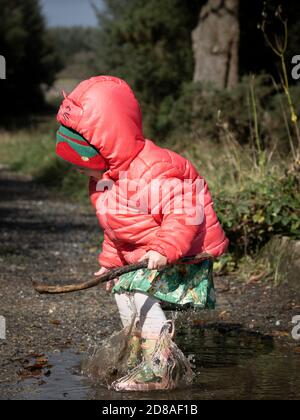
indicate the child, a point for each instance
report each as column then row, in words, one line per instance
column 101, row 133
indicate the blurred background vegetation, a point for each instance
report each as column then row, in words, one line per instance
column 214, row 81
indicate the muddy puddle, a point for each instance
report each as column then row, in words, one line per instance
column 228, row 364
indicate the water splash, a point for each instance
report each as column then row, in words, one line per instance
column 108, row 364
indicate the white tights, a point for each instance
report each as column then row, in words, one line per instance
column 147, row 310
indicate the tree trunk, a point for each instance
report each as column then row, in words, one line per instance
column 216, row 43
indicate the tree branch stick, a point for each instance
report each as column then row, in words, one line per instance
column 43, row 288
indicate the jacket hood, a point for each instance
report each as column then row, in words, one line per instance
column 106, row 113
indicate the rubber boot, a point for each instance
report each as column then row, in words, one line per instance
column 151, row 374
column 135, row 349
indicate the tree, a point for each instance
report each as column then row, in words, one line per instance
column 30, row 57
column 216, row 43
column 77, row 46
column 149, row 44
column 228, row 43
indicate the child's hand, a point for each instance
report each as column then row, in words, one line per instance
column 102, row 270
column 109, row 284
column 156, row 261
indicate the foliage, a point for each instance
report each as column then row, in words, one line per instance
column 148, row 44
column 200, row 106
column 76, row 47
column 253, row 215
column 30, row 56
column 253, row 203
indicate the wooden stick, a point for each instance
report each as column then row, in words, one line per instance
column 110, row 275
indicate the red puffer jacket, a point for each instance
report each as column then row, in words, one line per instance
column 150, row 198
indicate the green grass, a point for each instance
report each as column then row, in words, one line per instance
column 32, row 152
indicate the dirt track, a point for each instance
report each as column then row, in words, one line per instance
column 45, row 238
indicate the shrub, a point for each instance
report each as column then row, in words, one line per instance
column 259, row 211
column 198, row 108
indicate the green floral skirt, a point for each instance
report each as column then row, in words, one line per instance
column 181, row 285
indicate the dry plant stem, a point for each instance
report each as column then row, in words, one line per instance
column 110, row 275
column 280, row 50
column 285, row 118
column 232, row 148
column 286, row 88
column 254, row 110
column 261, row 158
column 252, row 136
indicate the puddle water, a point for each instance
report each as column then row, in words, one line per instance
column 228, row 365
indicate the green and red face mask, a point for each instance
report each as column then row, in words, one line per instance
column 75, row 149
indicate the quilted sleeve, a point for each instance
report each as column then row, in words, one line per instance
column 110, row 257
column 182, row 213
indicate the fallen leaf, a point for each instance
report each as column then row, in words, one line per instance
column 256, row 277
column 198, row 322
column 42, row 361
column 55, row 322
column 36, row 355
column 222, row 314
column 281, row 334
column 93, row 250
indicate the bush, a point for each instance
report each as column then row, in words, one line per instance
column 265, row 208
column 199, row 106
column 253, row 202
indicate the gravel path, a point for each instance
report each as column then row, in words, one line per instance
column 46, row 239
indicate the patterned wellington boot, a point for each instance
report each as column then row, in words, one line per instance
column 160, row 369
column 135, row 350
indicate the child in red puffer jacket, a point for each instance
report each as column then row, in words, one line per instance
column 152, row 205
